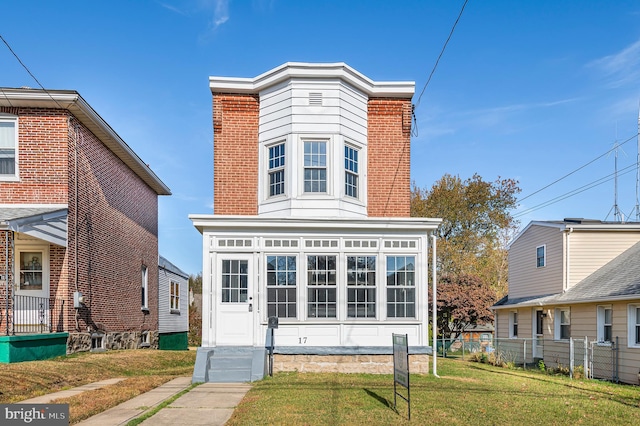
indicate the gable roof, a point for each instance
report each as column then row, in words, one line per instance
column 163, row 263
column 73, row 102
column 617, row 280
column 579, row 224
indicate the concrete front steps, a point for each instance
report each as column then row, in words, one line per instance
column 230, row 364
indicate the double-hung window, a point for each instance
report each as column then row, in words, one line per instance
column 321, row 286
column 605, row 323
column 281, row 286
column 633, row 321
column 8, row 146
column 541, row 259
column 315, row 166
column 401, row 291
column 351, row 171
column 361, row 286
column 276, row 169
column 174, row 301
column 145, row 288
column 513, row 324
column 562, row 323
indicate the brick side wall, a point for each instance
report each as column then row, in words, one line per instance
column 42, row 154
column 235, row 154
column 389, row 157
column 117, row 233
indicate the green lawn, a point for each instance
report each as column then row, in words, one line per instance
column 465, row 394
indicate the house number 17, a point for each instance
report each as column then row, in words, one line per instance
column 302, row 340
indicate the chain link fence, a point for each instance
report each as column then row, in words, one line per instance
column 574, row 357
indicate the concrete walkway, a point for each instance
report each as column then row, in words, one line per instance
column 45, row 399
column 206, row 404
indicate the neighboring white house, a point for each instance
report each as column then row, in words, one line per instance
column 173, row 306
column 311, row 217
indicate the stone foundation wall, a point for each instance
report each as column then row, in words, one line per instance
column 373, row 364
column 81, row 342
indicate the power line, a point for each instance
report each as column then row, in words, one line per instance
column 441, row 53
column 578, row 169
column 28, row 71
column 576, row 191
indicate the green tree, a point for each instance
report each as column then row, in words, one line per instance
column 195, row 283
column 476, row 224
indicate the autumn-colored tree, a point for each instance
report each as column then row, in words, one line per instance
column 476, row 224
column 462, row 301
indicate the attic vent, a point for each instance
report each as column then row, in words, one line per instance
column 315, row 98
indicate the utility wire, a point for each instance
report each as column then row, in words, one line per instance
column 441, row 53
column 578, row 169
column 577, row 191
column 28, row 71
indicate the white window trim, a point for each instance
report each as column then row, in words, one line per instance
column 600, row 319
column 512, row 323
column 544, row 257
column 557, row 324
column 174, row 296
column 632, row 322
column 266, row 172
column 331, row 179
column 145, row 285
column 16, row 175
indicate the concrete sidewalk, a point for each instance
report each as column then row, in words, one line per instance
column 45, row 399
column 207, row 404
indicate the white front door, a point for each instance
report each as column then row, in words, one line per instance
column 538, row 334
column 235, row 310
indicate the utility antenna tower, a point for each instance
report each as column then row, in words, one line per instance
column 638, row 170
column 617, row 215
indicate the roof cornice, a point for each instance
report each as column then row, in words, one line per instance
column 224, row 222
column 312, row 71
column 74, row 103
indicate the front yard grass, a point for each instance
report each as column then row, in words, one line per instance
column 142, row 369
column 466, row 393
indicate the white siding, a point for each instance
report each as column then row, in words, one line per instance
column 169, row 322
column 525, row 278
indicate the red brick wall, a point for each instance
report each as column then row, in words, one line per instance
column 116, row 218
column 117, row 234
column 389, row 157
column 42, row 158
column 235, row 154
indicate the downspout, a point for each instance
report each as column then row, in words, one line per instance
column 566, row 283
column 434, row 324
column 75, row 214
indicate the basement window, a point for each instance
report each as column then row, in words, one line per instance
column 97, row 342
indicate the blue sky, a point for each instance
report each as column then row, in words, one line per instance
column 529, row 90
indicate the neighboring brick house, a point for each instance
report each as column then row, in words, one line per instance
column 311, row 222
column 78, row 230
column 576, row 279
